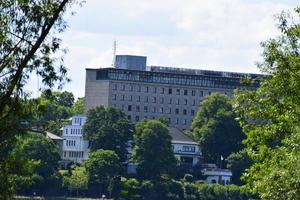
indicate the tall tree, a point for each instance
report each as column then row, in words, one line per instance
column 152, row 150
column 102, row 166
column 270, row 115
column 27, row 45
column 216, row 129
column 36, row 147
column 108, row 129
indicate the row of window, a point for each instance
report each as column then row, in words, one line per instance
column 186, row 148
column 70, row 142
column 151, row 89
column 160, row 100
column 74, row 131
column 73, row 154
column 78, row 120
column 160, row 110
column 176, row 121
column 168, row 78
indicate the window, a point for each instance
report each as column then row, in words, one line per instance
column 177, row 121
column 147, row 89
column 201, row 93
column 123, row 87
column 177, row 111
column 170, row 100
column 177, row 91
column 66, row 131
column 123, row 107
column 138, row 98
column 209, row 93
column 65, row 154
column 162, row 90
column 115, row 87
column 138, row 88
column 170, row 90
column 177, row 101
column 185, row 101
column 170, row 110
column 129, row 108
column 194, row 102
column 137, row 108
column 185, row 92
column 161, row 110
column 184, row 111
column 192, row 112
column 129, row 117
column 154, row 100
column 137, row 118
column 161, row 100
column 146, row 99
column 130, row 98
column 122, row 97
column 154, row 90
column 145, row 108
column 184, row 121
column 193, row 93
column 188, row 149
column 154, row 109
column 131, row 87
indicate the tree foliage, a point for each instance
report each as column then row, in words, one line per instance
column 45, row 153
column 152, row 149
column 215, row 128
column 78, row 107
column 108, row 129
column 270, row 115
column 238, row 162
column 28, row 45
column 102, row 166
column 77, row 180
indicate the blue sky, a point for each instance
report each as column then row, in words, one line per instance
column 215, row 34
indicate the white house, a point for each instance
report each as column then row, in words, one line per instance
column 186, row 150
column 74, row 147
column 213, row 174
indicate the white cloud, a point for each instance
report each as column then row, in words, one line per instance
column 214, row 34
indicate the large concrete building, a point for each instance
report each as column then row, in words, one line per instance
column 154, row 91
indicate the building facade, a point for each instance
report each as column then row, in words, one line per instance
column 74, row 147
column 158, row 92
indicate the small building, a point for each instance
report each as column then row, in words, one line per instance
column 213, row 174
column 186, row 150
column 74, row 148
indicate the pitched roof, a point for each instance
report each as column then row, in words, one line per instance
column 179, row 137
column 53, row 136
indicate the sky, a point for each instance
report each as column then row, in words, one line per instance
column 201, row 34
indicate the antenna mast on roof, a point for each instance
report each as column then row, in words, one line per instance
column 114, row 53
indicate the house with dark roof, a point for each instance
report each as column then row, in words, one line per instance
column 186, row 150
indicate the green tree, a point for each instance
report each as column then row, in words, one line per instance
column 152, row 150
column 238, row 162
column 102, row 166
column 215, row 128
column 64, row 98
column 270, row 116
column 77, row 181
column 108, row 129
column 78, row 107
column 28, row 45
column 37, row 147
